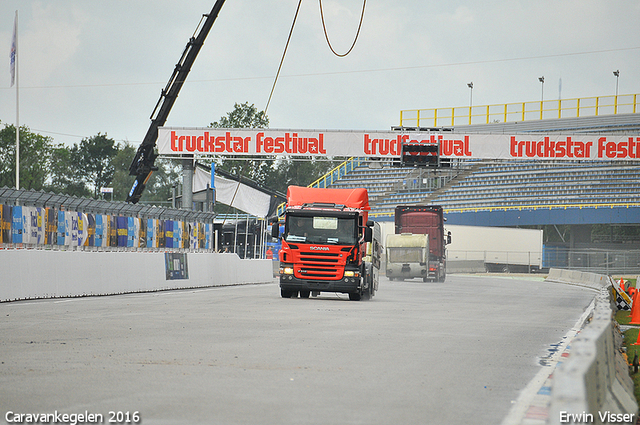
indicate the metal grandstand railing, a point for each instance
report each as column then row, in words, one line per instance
column 11, row 196
column 521, row 111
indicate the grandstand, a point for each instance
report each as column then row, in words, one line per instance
column 473, row 185
column 498, row 184
column 521, row 193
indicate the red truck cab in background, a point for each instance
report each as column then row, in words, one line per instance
column 426, row 220
column 324, row 243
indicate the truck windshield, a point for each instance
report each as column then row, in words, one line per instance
column 321, row 230
column 404, row 255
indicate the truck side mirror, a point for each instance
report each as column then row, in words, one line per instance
column 275, row 230
column 448, row 237
column 368, row 234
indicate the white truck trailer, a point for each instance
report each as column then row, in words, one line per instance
column 500, row 249
column 407, row 256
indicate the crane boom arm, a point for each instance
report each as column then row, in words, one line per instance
column 143, row 163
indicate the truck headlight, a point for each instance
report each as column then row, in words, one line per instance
column 286, row 270
column 351, row 273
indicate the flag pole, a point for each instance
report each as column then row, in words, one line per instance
column 15, row 75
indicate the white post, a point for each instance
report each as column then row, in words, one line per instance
column 16, row 76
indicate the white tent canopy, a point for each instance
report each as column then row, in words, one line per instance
column 233, row 193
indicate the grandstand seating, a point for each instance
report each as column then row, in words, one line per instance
column 499, row 184
column 470, row 184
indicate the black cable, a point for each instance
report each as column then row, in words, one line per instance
column 282, row 59
column 364, row 3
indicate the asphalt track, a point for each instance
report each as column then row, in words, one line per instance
column 418, row 353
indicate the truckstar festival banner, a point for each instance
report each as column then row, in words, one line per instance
column 252, row 142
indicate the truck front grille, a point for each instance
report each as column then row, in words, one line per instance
column 318, row 265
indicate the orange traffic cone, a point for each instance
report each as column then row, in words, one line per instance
column 635, row 309
column 622, row 285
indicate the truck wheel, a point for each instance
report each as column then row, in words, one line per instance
column 305, row 294
column 286, row 293
column 355, row 296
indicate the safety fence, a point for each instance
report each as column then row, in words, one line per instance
column 520, row 111
column 600, row 261
column 40, row 220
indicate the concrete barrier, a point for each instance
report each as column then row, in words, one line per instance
column 573, row 277
column 593, row 385
column 466, row 266
column 30, row 274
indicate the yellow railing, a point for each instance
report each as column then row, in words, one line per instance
column 522, row 111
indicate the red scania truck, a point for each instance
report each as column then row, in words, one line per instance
column 426, row 220
column 324, row 243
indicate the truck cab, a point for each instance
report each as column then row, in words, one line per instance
column 323, row 247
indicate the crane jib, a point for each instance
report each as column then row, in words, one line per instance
column 143, row 162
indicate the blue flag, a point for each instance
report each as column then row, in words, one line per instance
column 13, row 51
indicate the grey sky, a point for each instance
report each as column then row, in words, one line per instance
column 88, row 66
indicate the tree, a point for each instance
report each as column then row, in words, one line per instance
column 243, row 116
column 64, row 174
column 158, row 189
column 35, row 157
column 169, row 174
column 272, row 173
column 94, row 160
column 246, row 116
column 298, row 171
column 122, row 181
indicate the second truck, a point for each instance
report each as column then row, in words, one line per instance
column 324, row 243
column 426, row 220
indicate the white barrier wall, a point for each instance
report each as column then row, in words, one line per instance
column 29, row 274
column 573, row 277
column 594, row 382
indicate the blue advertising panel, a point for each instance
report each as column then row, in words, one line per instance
column 131, row 232
column 17, row 225
column 176, row 265
column 91, row 229
column 168, row 233
column 151, row 240
column 123, row 232
column 177, row 234
column 61, row 228
column 99, row 238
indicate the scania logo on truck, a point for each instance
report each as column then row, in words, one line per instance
column 319, row 248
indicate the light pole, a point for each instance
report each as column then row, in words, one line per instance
column 615, row 99
column 470, row 85
column 541, row 79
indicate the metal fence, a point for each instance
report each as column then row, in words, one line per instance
column 41, row 220
column 521, row 111
column 607, row 262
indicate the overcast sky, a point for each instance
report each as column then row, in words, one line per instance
column 89, row 66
